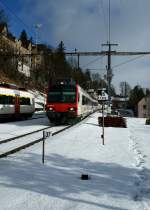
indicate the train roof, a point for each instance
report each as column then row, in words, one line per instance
column 66, row 81
column 8, row 85
column 11, row 86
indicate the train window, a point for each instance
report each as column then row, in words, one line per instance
column 33, row 101
column 2, row 99
column 11, row 100
column 7, row 99
column 24, row 101
column 84, row 100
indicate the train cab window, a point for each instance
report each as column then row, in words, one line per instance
column 62, row 94
column 54, row 96
column 69, row 97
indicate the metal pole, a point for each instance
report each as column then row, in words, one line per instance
column 78, row 62
column 103, row 123
column 43, row 148
column 109, row 74
column 109, row 70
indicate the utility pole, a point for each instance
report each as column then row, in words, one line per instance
column 109, row 70
column 78, row 60
column 37, row 28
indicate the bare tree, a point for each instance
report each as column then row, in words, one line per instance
column 125, row 89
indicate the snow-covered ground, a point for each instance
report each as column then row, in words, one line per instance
column 40, row 99
column 119, row 170
column 12, row 129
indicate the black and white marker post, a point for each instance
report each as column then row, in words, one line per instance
column 102, row 136
column 46, row 134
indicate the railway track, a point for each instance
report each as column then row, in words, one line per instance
column 18, row 143
column 38, row 115
column 23, row 135
column 22, row 119
column 21, row 142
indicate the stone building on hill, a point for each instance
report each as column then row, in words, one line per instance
column 10, row 45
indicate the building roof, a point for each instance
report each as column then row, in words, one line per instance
column 119, row 98
column 2, row 26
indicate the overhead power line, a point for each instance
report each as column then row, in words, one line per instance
column 95, row 60
column 128, row 61
column 104, row 16
column 109, row 22
column 16, row 16
column 97, row 69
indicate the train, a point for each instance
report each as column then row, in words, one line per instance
column 15, row 102
column 66, row 101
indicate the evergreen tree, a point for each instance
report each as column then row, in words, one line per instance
column 24, row 38
column 61, row 48
column 95, row 81
column 147, row 92
column 88, row 75
column 136, row 95
column 31, row 40
column 60, row 63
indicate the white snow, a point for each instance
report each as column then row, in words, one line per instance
column 119, row 171
column 40, row 99
column 12, row 129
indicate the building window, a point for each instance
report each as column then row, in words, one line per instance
column 144, row 106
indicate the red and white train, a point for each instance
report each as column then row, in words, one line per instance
column 67, row 101
column 15, row 102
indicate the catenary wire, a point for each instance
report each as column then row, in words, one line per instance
column 16, row 16
column 104, row 16
column 93, row 61
column 123, row 63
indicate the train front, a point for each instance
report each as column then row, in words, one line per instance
column 61, row 105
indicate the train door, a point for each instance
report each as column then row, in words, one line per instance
column 79, row 102
column 17, row 105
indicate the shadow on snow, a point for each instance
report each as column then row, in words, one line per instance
column 60, row 177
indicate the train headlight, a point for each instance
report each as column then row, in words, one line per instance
column 51, row 109
column 71, row 109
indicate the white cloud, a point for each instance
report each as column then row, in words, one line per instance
column 83, row 25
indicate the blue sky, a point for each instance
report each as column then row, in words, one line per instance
column 83, row 24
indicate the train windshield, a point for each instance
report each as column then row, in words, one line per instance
column 62, row 94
